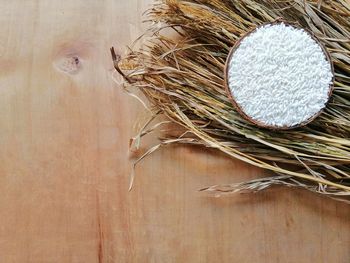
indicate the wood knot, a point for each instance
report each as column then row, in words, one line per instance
column 69, row 64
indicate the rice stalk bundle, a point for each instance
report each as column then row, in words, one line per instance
column 182, row 77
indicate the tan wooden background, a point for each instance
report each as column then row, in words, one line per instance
column 64, row 131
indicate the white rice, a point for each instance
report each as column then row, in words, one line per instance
column 279, row 76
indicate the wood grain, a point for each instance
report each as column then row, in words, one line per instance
column 64, row 166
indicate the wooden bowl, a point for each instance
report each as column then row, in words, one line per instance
column 238, row 107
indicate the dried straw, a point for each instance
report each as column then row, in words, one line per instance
column 183, row 79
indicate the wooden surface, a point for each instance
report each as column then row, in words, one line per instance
column 64, row 167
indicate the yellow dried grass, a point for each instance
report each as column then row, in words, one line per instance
column 183, row 79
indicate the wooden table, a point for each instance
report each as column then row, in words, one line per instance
column 64, row 166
